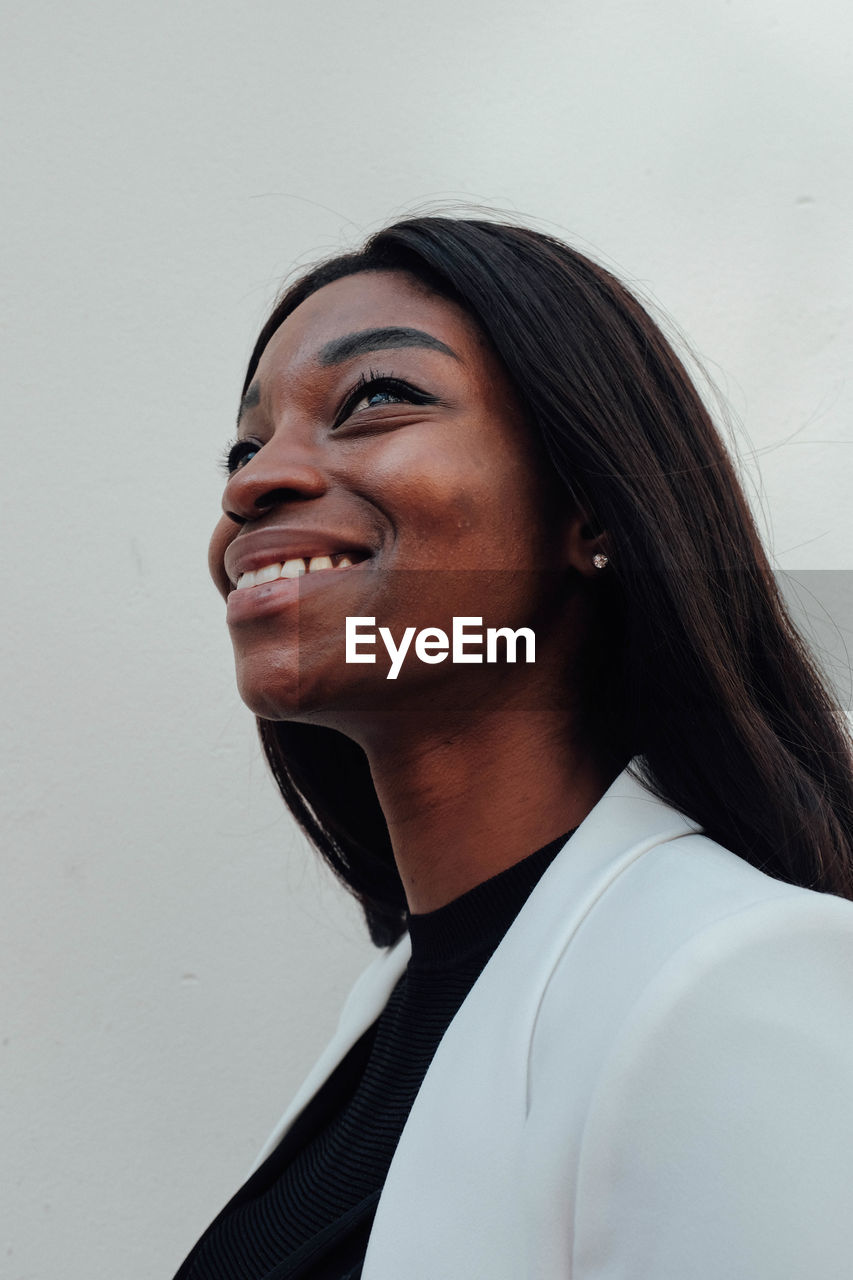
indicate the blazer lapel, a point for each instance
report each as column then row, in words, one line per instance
column 363, row 1006
column 313, row 1106
column 451, row 1204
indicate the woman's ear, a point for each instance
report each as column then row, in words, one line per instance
column 584, row 546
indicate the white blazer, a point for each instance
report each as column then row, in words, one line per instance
column 652, row 1078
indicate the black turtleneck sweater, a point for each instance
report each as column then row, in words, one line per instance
column 328, row 1190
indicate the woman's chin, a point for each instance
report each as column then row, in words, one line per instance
column 279, row 702
column 299, row 694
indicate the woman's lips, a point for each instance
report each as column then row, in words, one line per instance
column 277, row 545
column 250, row 603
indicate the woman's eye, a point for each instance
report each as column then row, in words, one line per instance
column 371, row 393
column 235, row 454
column 375, row 390
column 379, row 393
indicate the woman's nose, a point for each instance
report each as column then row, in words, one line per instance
column 283, row 470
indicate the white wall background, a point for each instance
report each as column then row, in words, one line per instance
column 173, row 956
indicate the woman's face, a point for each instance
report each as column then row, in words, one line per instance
column 379, row 424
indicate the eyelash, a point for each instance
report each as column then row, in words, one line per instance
column 372, row 381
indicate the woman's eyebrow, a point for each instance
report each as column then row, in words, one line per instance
column 356, row 344
column 250, row 400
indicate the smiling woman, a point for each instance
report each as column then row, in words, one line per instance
column 610, row 884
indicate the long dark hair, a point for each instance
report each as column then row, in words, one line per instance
column 697, row 671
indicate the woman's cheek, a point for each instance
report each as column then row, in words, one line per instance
column 222, row 535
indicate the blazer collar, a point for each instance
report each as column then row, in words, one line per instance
column 457, row 1159
column 627, row 821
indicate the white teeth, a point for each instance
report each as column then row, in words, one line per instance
column 268, row 573
column 291, row 569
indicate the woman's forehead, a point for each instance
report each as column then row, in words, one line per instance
column 332, row 323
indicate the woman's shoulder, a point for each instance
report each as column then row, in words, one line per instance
column 745, row 950
column 689, row 943
column 708, row 930
column 725, row 1090
column 703, row 1012
column 693, row 883
column 678, row 919
column 641, row 881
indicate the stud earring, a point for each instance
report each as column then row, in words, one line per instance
column 599, row 561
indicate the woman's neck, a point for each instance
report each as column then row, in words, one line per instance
column 465, row 804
